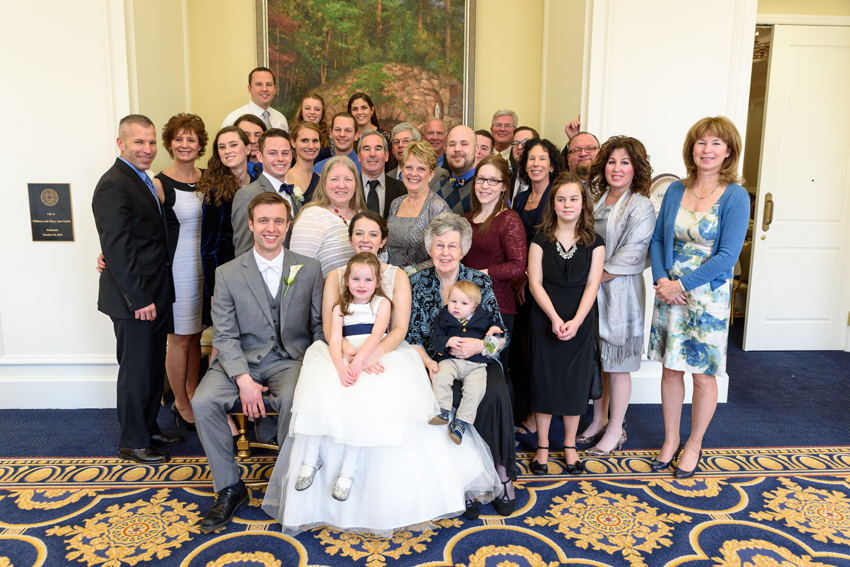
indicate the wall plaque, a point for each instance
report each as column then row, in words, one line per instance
column 50, row 212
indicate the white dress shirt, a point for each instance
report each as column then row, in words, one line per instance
column 506, row 153
column 270, row 270
column 276, row 183
column 276, row 119
column 382, row 190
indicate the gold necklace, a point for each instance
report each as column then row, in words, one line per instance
column 694, row 189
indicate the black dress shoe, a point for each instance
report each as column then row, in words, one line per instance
column 165, row 440
column 472, row 510
column 227, row 502
column 145, row 455
column 661, row 465
column 504, row 505
column 539, row 468
column 178, row 419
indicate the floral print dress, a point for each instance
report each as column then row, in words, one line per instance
column 693, row 337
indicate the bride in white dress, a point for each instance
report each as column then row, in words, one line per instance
column 398, row 471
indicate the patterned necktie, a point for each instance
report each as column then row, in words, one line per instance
column 152, row 188
column 266, row 119
column 456, row 182
column 287, row 188
column 373, row 203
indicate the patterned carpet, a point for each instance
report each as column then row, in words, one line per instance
column 749, row 507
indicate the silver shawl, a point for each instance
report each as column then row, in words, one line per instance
column 620, row 301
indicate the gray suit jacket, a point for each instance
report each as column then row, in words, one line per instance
column 243, row 329
column 440, row 178
column 243, row 238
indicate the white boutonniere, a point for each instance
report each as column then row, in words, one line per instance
column 290, row 279
column 299, row 196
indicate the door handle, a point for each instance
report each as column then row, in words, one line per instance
column 767, row 218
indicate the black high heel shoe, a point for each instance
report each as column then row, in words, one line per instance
column 683, row 474
column 178, row 419
column 503, row 504
column 575, row 468
column 661, row 465
column 539, row 468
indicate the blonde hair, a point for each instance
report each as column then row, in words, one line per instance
column 421, row 150
column 470, row 290
column 320, row 196
column 724, row 129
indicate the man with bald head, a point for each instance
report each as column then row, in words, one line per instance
column 461, row 146
column 435, row 134
column 136, row 288
column 581, row 151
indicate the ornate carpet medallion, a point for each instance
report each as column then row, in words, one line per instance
column 824, row 514
column 260, row 559
column 487, row 555
column 375, row 549
column 130, row 533
column 610, row 522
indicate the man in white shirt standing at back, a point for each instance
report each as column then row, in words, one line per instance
column 262, row 86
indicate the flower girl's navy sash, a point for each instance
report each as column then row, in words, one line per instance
column 361, row 329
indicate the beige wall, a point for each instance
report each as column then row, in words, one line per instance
column 508, row 66
column 222, row 51
column 159, row 49
column 805, row 7
column 563, row 58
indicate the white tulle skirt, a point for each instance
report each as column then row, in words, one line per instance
column 408, row 472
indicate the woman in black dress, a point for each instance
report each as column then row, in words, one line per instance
column 540, row 164
column 565, row 262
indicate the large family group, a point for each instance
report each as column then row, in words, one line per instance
column 401, row 303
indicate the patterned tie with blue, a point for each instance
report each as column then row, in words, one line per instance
column 287, row 188
column 152, row 188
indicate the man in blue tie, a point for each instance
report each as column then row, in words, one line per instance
column 461, row 146
column 136, row 288
column 275, row 153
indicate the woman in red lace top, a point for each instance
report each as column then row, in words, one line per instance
column 498, row 247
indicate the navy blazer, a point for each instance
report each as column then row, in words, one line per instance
column 447, row 326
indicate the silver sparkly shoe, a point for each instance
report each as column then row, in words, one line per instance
column 303, row 482
column 340, row 493
column 595, row 451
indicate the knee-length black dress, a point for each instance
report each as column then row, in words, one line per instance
column 561, row 370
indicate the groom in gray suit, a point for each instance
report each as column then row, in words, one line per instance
column 276, row 154
column 266, row 312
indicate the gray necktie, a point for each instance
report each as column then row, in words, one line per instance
column 373, row 203
column 266, row 119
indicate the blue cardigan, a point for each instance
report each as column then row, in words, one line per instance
column 733, row 217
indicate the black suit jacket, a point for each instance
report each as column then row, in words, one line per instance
column 134, row 241
column 393, row 190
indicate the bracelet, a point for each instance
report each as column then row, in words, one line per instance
column 681, row 286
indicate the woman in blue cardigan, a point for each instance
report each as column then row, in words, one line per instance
column 697, row 240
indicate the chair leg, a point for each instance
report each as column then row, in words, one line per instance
column 243, row 444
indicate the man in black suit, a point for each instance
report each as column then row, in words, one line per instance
column 378, row 189
column 136, row 288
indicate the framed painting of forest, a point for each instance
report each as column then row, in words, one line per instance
column 415, row 58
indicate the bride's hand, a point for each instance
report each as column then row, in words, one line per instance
column 433, row 368
column 376, row 368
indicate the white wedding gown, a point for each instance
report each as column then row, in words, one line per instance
column 408, row 472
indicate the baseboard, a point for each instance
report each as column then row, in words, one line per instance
column 57, row 386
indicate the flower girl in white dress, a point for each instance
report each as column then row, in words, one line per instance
column 360, row 454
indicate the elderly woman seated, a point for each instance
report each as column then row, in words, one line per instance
column 447, row 239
